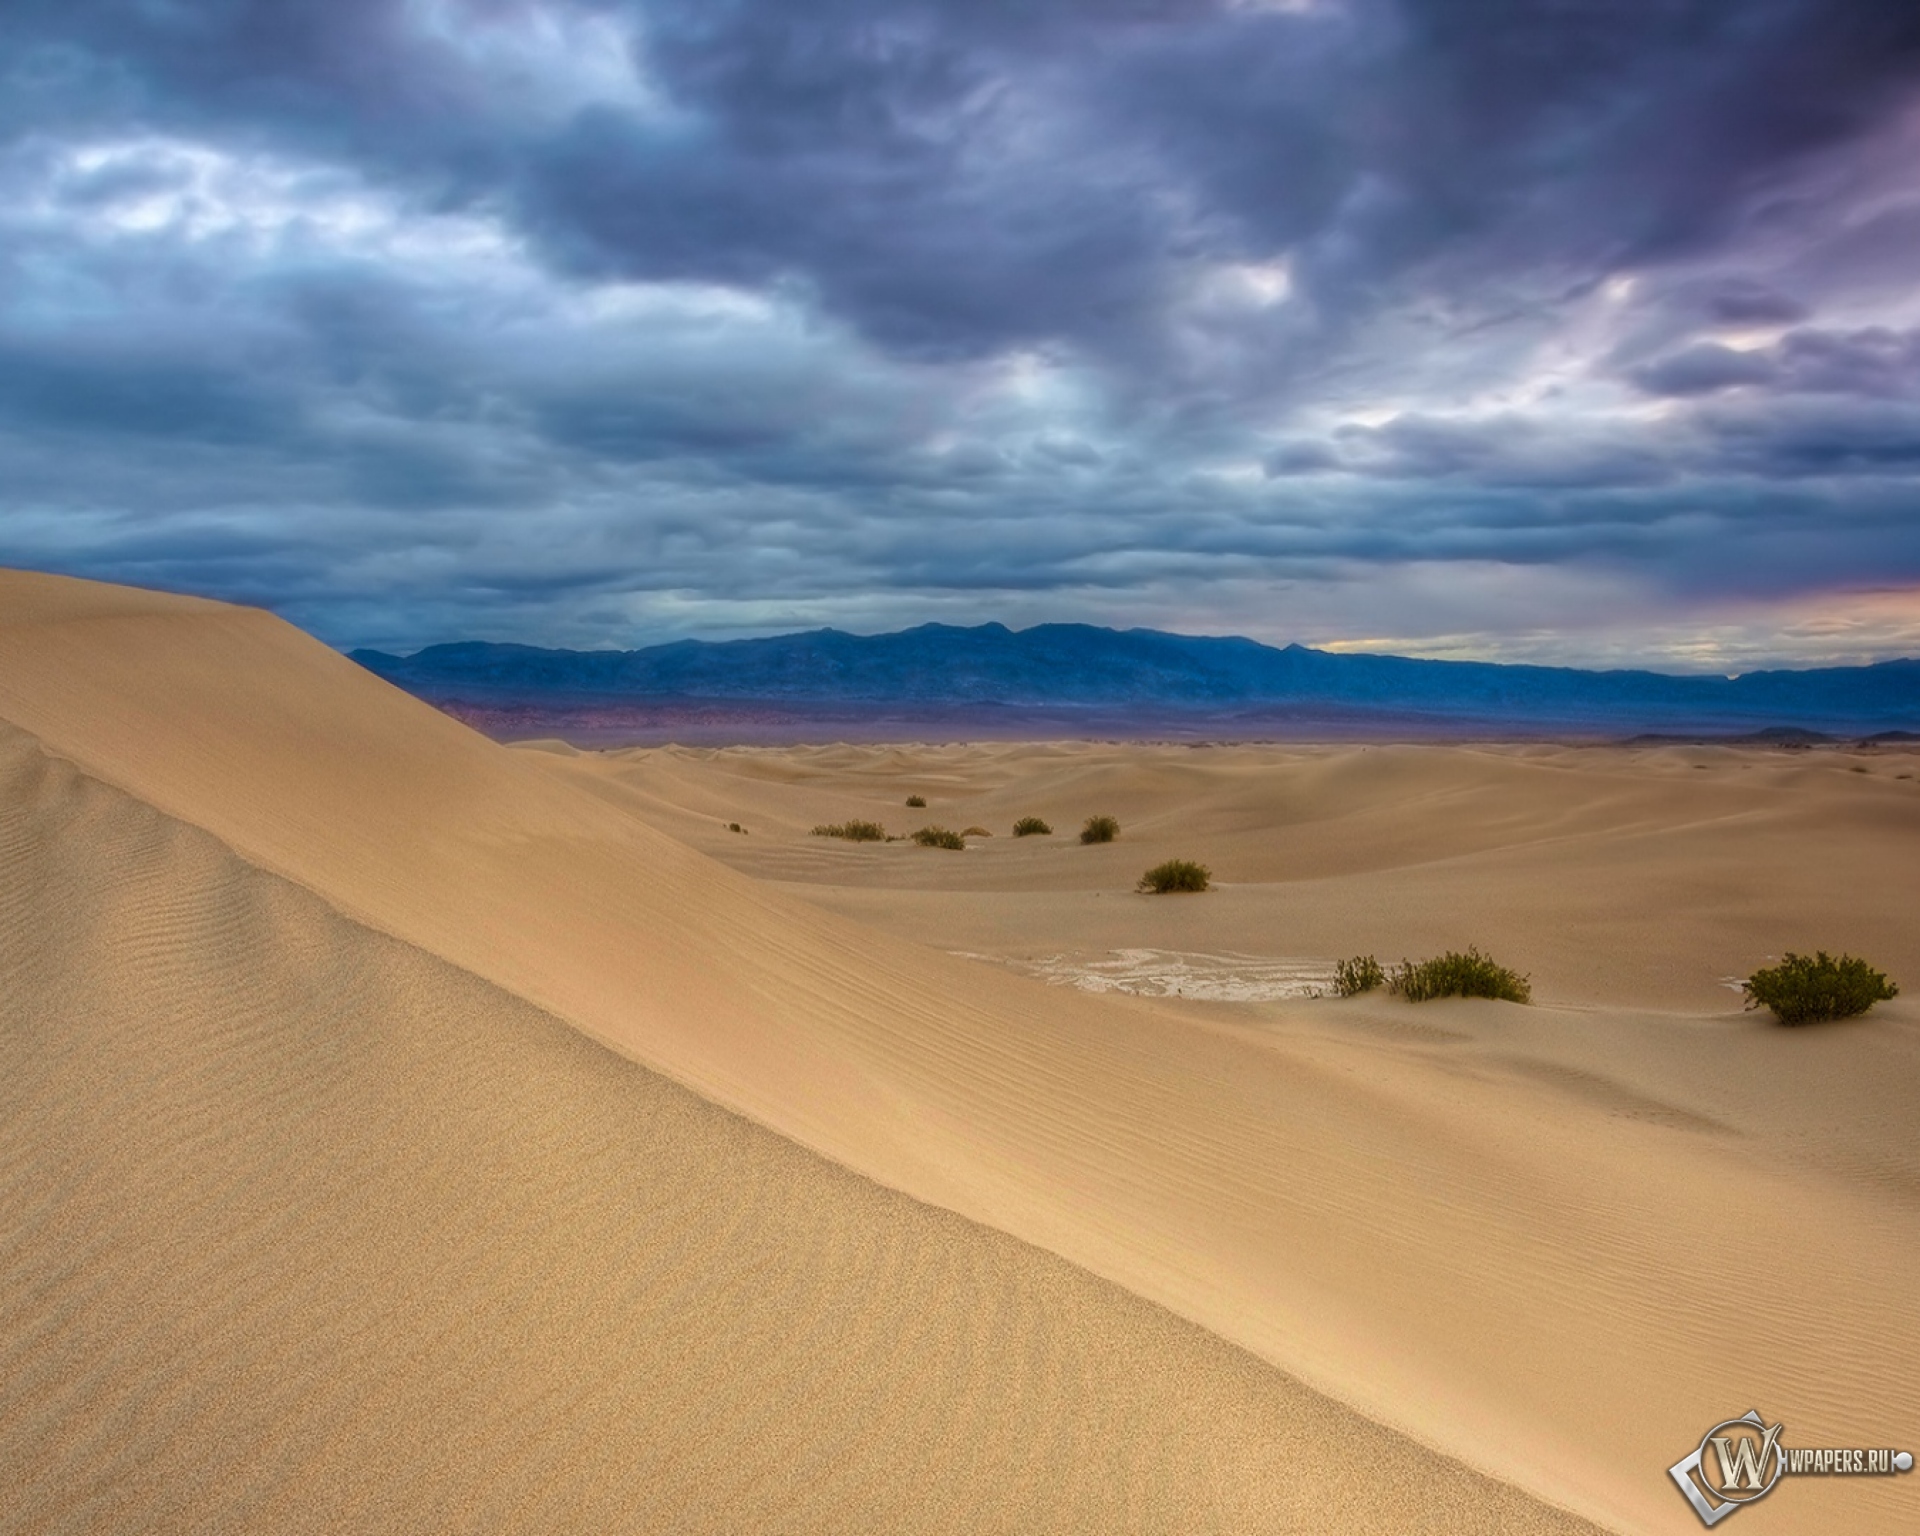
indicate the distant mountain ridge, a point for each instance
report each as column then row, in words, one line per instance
column 1080, row 666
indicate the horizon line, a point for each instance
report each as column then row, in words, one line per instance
column 1327, row 649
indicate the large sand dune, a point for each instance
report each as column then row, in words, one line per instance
column 1555, row 1243
column 306, row 1230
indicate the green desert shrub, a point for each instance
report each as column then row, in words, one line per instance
column 918, row 802
column 1456, row 975
column 854, row 831
column 1809, row 990
column 939, row 837
column 1031, row 826
column 1360, row 974
column 1175, row 875
column 1099, row 829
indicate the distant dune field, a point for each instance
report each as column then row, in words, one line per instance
column 324, row 1210
column 1620, row 876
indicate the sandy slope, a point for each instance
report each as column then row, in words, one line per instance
column 1532, row 1237
column 306, row 1230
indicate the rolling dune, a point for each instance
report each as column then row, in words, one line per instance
column 1635, row 877
column 307, row 1230
column 1542, row 1241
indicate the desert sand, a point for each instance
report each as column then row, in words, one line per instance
column 406, row 1131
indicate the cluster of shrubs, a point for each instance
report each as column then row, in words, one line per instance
column 1811, row 990
column 1801, row 989
column 1454, row 974
column 1459, row 975
column 1098, row 829
column 1175, row 875
column 854, row 831
column 1163, row 879
column 873, row 832
column 918, row 802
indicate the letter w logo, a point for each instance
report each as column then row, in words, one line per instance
column 1749, row 1467
column 1744, row 1462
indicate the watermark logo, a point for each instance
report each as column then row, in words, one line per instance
column 1740, row 1461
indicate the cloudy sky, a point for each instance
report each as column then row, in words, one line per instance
column 1572, row 330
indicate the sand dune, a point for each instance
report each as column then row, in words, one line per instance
column 309, row 1231
column 1529, row 1237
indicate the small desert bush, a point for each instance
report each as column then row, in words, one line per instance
column 734, row 826
column 1031, row 826
column 1175, row 875
column 854, row 831
column 939, row 837
column 1803, row 990
column 976, row 832
column 1456, row 975
column 1360, row 974
column 918, row 802
column 1099, row 829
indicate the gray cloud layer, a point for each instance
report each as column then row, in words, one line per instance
column 1486, row 325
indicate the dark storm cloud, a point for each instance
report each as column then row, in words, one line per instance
column 1875, row 361
column 1704, row 368
column 542, row 306
column 968, row 174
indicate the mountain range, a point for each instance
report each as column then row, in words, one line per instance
column 1105, row 678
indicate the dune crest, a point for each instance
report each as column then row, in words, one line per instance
column 310, row 1231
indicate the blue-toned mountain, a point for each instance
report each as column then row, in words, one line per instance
column 1070, row 671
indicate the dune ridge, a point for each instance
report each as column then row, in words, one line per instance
column 1512, row 1271
column 310, row 1231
